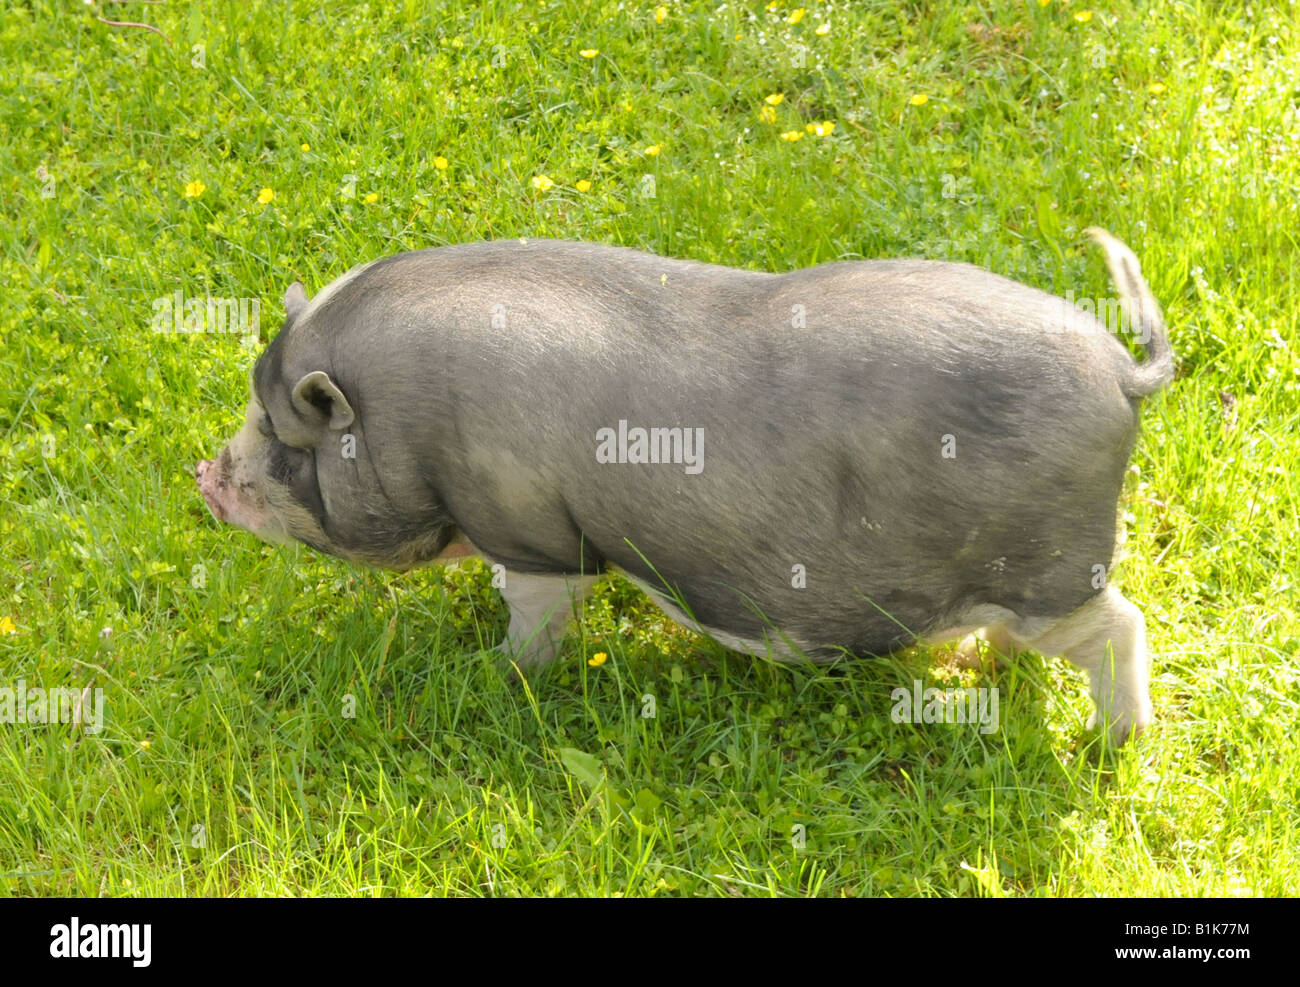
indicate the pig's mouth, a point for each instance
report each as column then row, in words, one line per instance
column 215, row 507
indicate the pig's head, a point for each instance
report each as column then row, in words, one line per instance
column 301, row 469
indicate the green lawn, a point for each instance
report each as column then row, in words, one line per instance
column 134, row 164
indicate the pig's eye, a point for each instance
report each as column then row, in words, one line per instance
column 264, row 426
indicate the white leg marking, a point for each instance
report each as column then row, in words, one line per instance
column 540, row 607
column 993, row 643
column 1106, row 637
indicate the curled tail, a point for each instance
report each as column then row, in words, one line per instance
column 1143, row 314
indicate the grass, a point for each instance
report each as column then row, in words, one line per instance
column 227, row 763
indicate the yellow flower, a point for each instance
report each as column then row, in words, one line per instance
column 542, row 183
column 1156, row 88
column 194, row 189
column 653, row 150
column 767, row 114
column 823, row 129
column 582, row 185
column 774, row 99
column 266, row 195
column 661, row 14
column 773, row 5
column 598, row 659
column 589, row 52
column 305, row 147
column 1043, row 3
column 146, row 744
column 1083, row 16
column 920, row 99
column 7, row 626
column 440, row 163
column 823, row 29
column 792, row 135
column 796, row 16
column 372, row 197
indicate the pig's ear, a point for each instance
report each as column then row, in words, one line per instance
column 295, row 300
column 319, row 400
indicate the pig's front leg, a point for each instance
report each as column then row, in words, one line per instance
column 540, row 607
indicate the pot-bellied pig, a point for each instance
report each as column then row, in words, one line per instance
column 847, row 458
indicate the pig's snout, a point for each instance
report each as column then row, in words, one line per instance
column 208, row 476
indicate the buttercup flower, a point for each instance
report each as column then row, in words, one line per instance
column 661, row 14
column 194, row 189
column 598, row 659
column 266, row 195
column 823, row 29
column 1083, row 16
column 582, row 185
column 1156, row 88
column 792, row 135
column 542, row 183
column 372, row 197
column 7, row 626
column 796, row 16
column 767, row 114
column 440, row 163
column 920, row 99
column 774, row 99
column 589, row 52
column 305, row 146
column 653, row 150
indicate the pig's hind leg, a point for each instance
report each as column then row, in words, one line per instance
column 1106, row 637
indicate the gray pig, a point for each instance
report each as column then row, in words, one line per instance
column 852, row 457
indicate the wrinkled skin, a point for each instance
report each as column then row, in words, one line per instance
column 298, row 470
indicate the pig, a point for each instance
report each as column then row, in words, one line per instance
column 845, row 459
